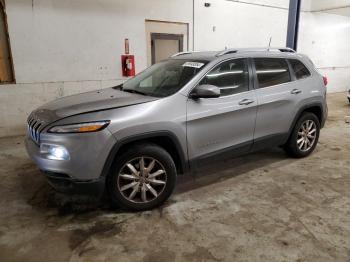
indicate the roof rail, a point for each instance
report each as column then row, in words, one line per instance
column 259, row 49
column 227, row 51
column 183, row 53
column 287, row 49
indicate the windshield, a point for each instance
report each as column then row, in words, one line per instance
column 164, row 78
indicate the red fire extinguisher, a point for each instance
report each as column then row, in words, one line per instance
column 128, row 65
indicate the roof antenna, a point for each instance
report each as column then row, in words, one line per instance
column 268, row 49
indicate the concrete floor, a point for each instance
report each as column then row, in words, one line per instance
column 260, row 207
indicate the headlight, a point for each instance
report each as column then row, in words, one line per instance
column 54, row 152
column 80, row 128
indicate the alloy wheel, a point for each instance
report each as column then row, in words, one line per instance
column 306, row 135
column 142, row 179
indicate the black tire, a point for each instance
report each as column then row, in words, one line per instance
column 148, row 151
column 291, row 147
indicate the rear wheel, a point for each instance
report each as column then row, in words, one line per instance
column 143, row 178
column 304, row 137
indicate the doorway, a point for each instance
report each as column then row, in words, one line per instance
column 164, row 39
column 6, row 67
column 165, row 45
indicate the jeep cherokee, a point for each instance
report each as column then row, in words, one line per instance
column 176, row 116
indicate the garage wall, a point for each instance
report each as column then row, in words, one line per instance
column 82, row 40
column 63, row 47
column 240, row 24
column 325, row 39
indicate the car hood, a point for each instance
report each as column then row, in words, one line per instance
column 88, row 102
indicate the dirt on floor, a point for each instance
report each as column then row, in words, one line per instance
column 260, row 207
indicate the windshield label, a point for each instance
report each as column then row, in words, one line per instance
column 193, row 64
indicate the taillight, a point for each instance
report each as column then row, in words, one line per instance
column 325, row 80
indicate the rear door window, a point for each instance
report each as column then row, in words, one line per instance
column 271, row 71
column 299, row 69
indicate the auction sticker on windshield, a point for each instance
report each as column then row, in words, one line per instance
column 193, row 64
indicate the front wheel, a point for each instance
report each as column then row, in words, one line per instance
column 304, row 137
column 143, row 178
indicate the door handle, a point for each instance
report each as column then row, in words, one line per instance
column 245, row 102
column 295, row 91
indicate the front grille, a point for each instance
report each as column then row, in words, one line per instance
column 34, row 128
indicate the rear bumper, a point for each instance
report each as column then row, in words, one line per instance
column 64, row 184
column 325, row 115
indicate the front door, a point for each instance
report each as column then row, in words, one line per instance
column 222, row 126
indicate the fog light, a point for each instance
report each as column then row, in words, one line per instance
column 54, row 152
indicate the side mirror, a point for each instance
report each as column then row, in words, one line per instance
column 205, row 91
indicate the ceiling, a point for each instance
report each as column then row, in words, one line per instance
column 338, row 7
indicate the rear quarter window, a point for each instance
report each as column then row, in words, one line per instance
column 300, row 70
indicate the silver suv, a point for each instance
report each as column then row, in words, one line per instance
column 175, row 116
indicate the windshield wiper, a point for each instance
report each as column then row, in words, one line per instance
column 118, row 87
column 135, row 92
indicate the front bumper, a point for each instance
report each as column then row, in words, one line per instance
column 64, row 184
column 83, row 171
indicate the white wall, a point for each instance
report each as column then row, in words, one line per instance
column 271, row 3
column 62, row 47
column 325, row 39
column 237, row 24
column 66, row 40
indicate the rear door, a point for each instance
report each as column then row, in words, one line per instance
column 277, row 96
column 223, row 126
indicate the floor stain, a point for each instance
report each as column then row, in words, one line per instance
column 101, row 228
column 201, row 254
column 160, row 256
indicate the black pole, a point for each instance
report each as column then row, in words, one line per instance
column 293, row 23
